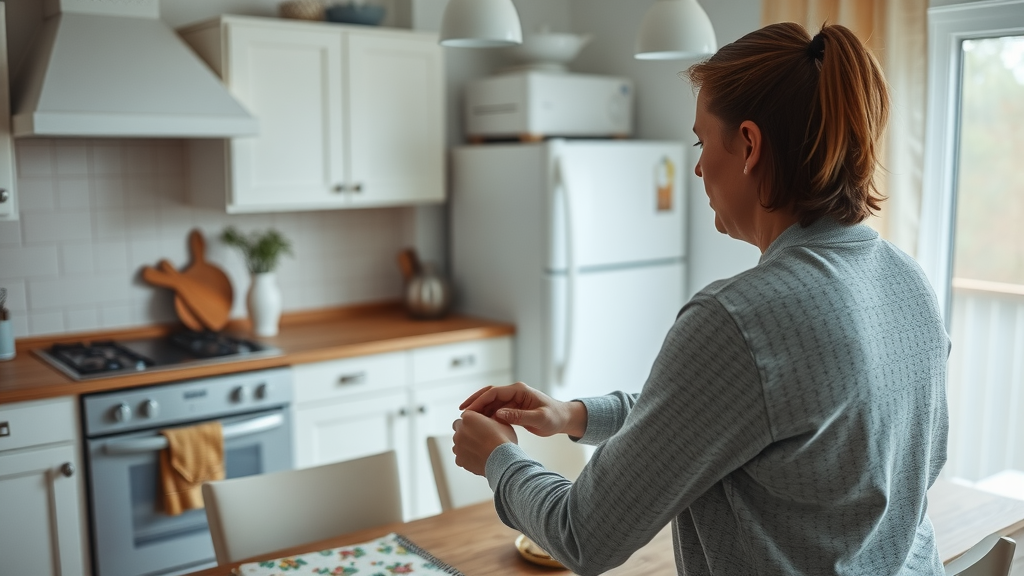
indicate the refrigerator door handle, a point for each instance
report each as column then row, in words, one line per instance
column 562, row 183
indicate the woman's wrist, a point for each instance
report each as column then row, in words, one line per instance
column 576, row 427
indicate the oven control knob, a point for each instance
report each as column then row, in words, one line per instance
column 150, row 409
column 262, row 391
column 122, row 412
column 240, row 394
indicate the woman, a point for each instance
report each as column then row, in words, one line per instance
column 795, row 415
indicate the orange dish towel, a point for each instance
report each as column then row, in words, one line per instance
column 193, row 455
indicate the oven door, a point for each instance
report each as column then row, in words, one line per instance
column 131, row 535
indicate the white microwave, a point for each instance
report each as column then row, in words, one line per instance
column 533, row 105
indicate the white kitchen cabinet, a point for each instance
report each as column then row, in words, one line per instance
column 41, row 511
column 8, row 198
column 350, row 116
column 354, row 407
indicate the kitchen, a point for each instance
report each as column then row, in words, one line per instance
column 67, row 272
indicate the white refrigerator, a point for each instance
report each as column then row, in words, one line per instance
column 580, row 244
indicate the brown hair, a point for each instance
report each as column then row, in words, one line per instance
column 821, row 104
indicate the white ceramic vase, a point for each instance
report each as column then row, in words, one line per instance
column 264, row 302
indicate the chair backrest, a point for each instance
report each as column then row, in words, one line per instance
column 990, row 557
column 457, row 487
column 260, row 514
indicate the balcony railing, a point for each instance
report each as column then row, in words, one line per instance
column 986, row 379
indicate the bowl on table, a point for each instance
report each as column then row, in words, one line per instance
column 352, row 13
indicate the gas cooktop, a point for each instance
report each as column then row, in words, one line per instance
column 107, row 358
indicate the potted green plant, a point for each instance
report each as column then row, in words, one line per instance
column 262, row 252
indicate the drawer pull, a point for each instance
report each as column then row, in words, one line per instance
column 5, row 429
column 461, row 361
column 357, row 378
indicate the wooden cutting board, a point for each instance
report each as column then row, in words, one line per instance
column 211, row 308
column 205, row 273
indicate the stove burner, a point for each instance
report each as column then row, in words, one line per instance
column 98, row 357
column 211, row 344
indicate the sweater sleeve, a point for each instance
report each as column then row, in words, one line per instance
column 700, row 416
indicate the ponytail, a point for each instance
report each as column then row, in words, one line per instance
column 822, row 106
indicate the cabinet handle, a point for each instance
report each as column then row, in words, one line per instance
column 403, row 412
column 4, row 195
column 422, row 409
column 357, row 378
column 460, row 361
column 338, row 188
column 5, row 429
column 357, row 187
column 68, row 469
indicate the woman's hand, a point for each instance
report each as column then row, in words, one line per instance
column 476, row 436
column 532, row 409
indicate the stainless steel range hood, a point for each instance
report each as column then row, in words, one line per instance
column 111, row 68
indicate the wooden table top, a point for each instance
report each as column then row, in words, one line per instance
column 475, row 541
column 309, row 336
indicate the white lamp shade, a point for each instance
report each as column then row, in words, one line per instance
column 480, row 24
column 675, row 30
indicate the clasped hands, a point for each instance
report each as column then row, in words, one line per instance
column 488, row 416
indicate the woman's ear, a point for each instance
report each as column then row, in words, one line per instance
column 750, row 139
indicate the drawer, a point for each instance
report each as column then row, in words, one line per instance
column 461, row 359
column 25, row 424
column 348, row 376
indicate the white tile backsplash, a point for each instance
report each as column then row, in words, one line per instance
column 28, row 262
column 94, row 212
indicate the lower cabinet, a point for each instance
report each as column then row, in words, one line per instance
column 355, row 407
column 41, row 510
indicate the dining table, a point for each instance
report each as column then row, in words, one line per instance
column 473, row 540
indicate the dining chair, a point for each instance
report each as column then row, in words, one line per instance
column 990, row 557
column 458, row 487
column 264, row 513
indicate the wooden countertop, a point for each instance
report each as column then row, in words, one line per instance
column 310, row 336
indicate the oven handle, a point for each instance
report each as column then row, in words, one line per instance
column 159, row 442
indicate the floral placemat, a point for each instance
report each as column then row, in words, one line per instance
column 385, row 556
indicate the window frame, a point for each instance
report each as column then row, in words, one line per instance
column 948, row 27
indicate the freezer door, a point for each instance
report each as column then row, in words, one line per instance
column 608, row 326
column 616, row 202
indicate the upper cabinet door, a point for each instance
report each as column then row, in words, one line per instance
column 290, row 80
column 395, row 118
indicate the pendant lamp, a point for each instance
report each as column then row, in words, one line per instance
column 675, row 30
column 480, row 24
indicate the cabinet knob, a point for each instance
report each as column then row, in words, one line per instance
column 357, row 187
column 4, row 195
column 68, row 469
column 422, row 409
column 403, row 412
column 338, row 188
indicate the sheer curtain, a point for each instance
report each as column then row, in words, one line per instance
column 896, row 30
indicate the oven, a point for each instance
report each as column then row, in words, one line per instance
column 130, row 534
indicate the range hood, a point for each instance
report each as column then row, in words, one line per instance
column 112, row 68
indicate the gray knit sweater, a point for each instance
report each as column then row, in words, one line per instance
column 791, row 424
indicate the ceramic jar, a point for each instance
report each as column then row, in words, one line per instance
column 427, row 294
